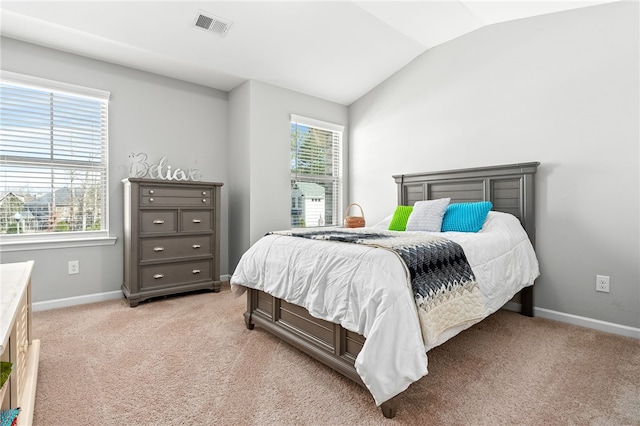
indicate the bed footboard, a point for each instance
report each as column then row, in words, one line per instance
column 324, row 341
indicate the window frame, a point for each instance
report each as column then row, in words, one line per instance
column 49, row 240
column 339, row 179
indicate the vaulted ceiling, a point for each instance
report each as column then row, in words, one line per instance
column 335, row 50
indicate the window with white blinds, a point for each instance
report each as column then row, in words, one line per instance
column 53, row 157
column 316, row 172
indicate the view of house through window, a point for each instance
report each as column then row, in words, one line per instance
column 53, row 157
column 316, row 172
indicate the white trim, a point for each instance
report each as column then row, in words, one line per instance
column 77, row 300
column 87, row 298
column 54, row 243
column 54, row 86
column 608, row 327
column 312, row 122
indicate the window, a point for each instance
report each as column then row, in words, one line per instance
column 53, row 159
column 316, row 172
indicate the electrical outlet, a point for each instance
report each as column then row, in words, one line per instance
column 602, row 283
column 74, row 267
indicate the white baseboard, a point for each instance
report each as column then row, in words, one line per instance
column 89, row 298
column 77, row 300
column 609, row 327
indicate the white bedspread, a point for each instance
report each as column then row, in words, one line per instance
column 367, row 291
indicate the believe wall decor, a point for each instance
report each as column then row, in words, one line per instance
column 139, row 168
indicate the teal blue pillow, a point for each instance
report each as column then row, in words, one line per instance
column 400, row 218
column 466, row 217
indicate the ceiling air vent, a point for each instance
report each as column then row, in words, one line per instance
column 212, row 23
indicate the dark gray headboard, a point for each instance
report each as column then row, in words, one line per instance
column 509, row 187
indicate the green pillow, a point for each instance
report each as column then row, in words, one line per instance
column 400, row 218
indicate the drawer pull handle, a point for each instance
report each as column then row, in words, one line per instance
column 158, row 221
column 204, row 193
column 151, row 200
column 158, row 276
column 204, row 200
column 196, row 221
column 195, row 246
column 158, row 249
column 151, row 192
column 195, row 271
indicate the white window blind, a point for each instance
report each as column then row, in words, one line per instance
column 53, row 157
column 316, row 172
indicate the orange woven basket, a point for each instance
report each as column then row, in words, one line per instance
column 354, row 221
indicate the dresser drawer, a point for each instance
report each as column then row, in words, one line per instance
column 175, row 201
column 197, row 221
column 180, row 192
column 158, row 221
column 174, row 247
column 153, row 276
column 171, row 196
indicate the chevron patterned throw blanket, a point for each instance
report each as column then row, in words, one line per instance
column 443, row 284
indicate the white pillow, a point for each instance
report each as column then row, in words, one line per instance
column 427, row 215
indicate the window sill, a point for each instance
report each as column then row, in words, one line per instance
column 55, row 243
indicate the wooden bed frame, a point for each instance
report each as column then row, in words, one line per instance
column 510, row 188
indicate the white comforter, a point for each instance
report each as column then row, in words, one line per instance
column 367, row 291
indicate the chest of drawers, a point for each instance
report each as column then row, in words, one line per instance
column 171, row 237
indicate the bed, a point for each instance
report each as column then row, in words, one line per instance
column 328, row 320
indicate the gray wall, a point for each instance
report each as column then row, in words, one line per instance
column 561, row 89
column 162, row 117
column 239, row 177
column 240, row 139
column 260, row 154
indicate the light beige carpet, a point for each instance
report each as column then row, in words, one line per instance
column 189, row 360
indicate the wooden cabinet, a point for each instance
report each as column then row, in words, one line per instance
column 18, row 347
column 171, row 237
